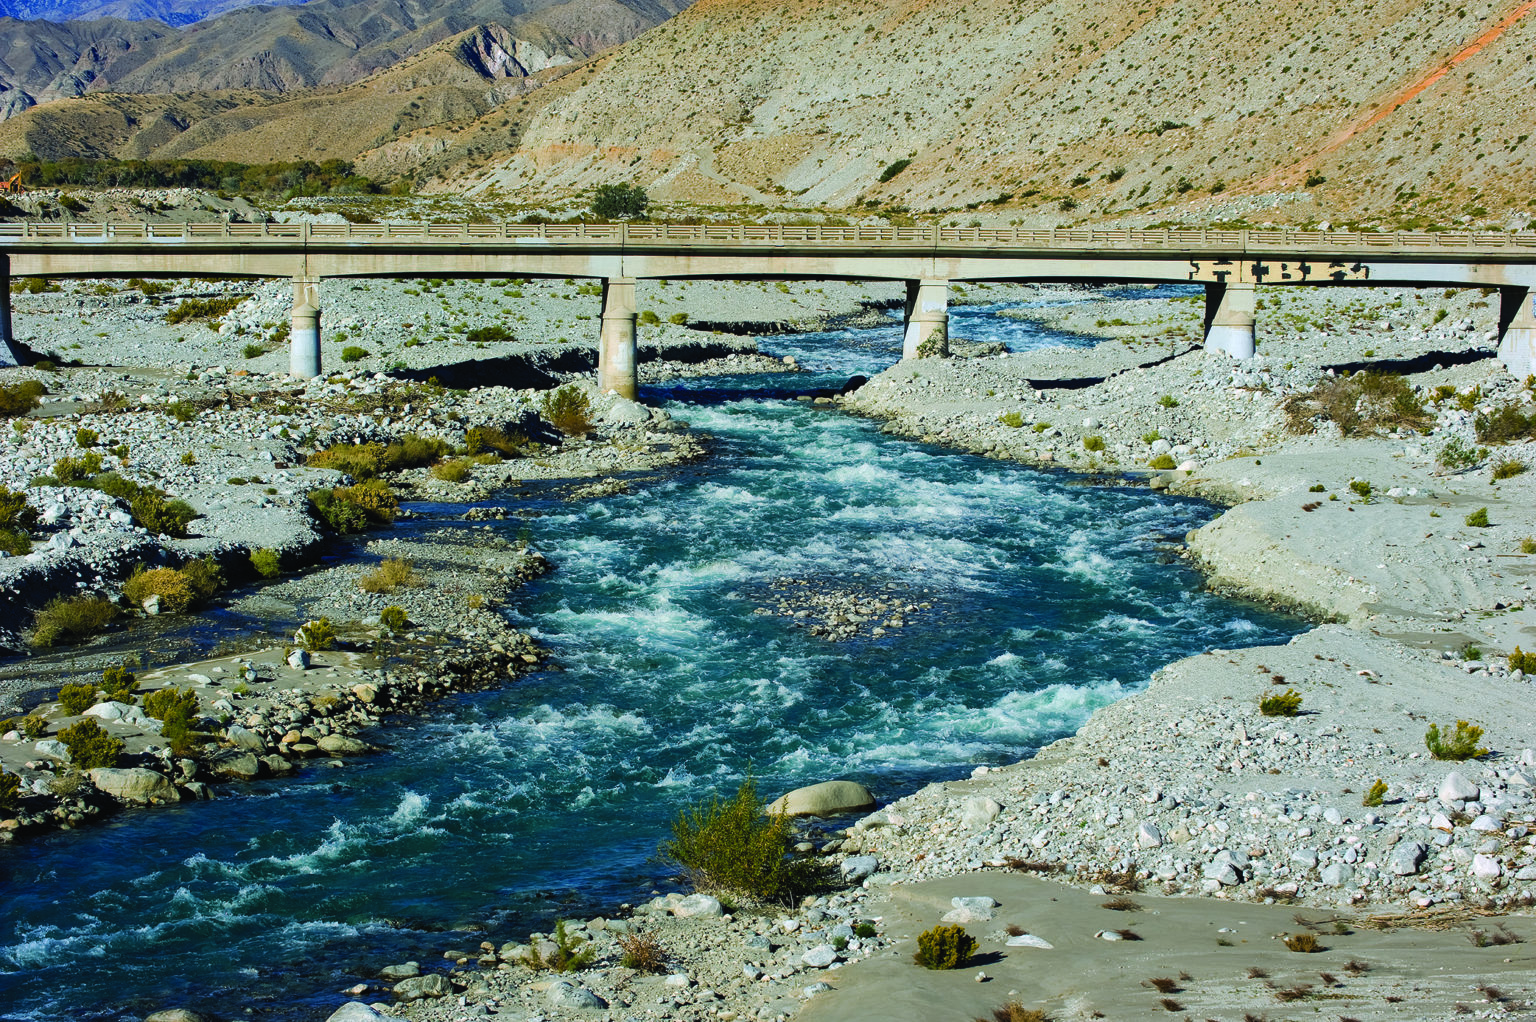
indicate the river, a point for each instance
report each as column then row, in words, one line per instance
column 1047, row 598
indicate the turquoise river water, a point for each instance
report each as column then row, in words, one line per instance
column 505, row 809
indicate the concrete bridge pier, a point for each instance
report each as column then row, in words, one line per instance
column 616, row 345
column 927, row 317
column 1229, row 315
column 1517, row 330
column 304, row 340
column 8, row 356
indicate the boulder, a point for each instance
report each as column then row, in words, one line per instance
column 341, row 745
column 820, row 956
column 420, row 987
column 299, row 659
column 405, row 970
column 825, row 799
column 1407, row 857
column 1457, row 788
column 1148, row 835
column 1337, row 874
column 565, row 994
column 135, row 784
column 1486, row 866
column 980, row 811
column 355, row 1011
column 627, row 412
column 232, row 763
column 53, row 749
column 857, row 867
column 244, row 738
column 175, row 1015
column 698, row 906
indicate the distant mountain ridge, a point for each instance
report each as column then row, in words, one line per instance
column 175, row 13
column 285, row 48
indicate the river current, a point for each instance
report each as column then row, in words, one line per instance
column 502, row 810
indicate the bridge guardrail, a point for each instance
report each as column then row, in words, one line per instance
column 623, row 234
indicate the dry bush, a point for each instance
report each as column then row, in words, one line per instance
column 173, row 588
column 1304, row 943
column 71, row 619
column 390, row 575
column 1358, row 404
column 642, row 952
column 1013, row 1011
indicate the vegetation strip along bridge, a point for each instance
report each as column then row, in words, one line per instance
column 1229, row 264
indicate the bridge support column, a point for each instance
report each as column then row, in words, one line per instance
column 927, row 319
column 1229, row 314
column 616, row 351
column 1517, row 330
column 8, row 356
column 304, row 340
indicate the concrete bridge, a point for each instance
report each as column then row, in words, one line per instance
column 1230, row 264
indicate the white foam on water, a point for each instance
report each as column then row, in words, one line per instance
column 412, row 808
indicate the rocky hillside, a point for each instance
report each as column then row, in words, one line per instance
column 1061, row 110
column 280, row 49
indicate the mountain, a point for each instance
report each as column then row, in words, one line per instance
column 170, row 12
column 282, row 49
column 1058, row 110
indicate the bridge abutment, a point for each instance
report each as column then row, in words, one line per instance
column 1229, row 316
column 616, row 346
column 927, row 318
column 304, row 338
column 1517, row 330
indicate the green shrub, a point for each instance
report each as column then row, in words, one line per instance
column 1458, row 744
column 182, row 411
column 944, row 947
column 252, row 351
column 162, row 515
column 1507, row 468
column 118, row 683
column 1374, row 796
column 202, row 308
column 353, row 353
column 1151, row 438
column 649, row 318
column 71, row 619
column 1168, row 401
column 316, row 635
column 393, row 619
column 678, row 319
column 1525, row 662
column 116, row 485
column 893, row 168
column 455, row 470
column 71, row 471
column 1361, row 488
column 168, row 703
column 489, row 334
column 77, row 697
column 1283, row 704
column 1317, row 488
column 360, row 461
column 10, row 791
column 86, row 438
column 1503, row 425
column 619, row 202
column 1013, row 420
column 33, row 726
column 90, row 746
column 568, row 410
column 1458, row 455
column 21, row 397
column 15, row 542
column 171, row 586
column 482, row 439
column 1163, row 462
column 339, row 515
column 1478, row 519
column 734, row 848
column 266, row 562
column 15, row 511
column 391, row 574
column 1093, row 443
column 572, row 952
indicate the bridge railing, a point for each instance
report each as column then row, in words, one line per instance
column 704, row 235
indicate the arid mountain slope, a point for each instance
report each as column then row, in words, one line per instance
column 279, row 49
column 171, row 12
column 460, row 101
column 1077, row 108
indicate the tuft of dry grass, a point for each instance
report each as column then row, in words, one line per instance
column 1013, row 1011
column 642, row 952
column 1122, row 905
column 1164, row 984
column 391, row 574
column 1304, row 943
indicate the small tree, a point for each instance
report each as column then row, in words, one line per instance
column 620, row 202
